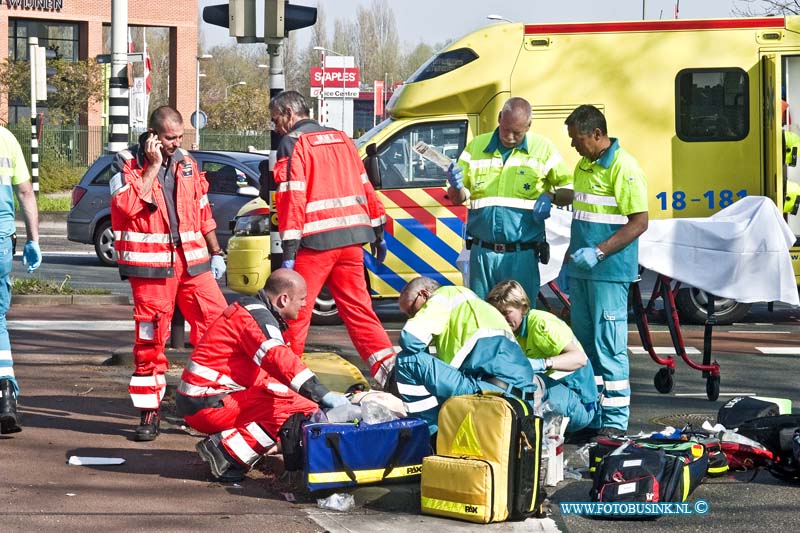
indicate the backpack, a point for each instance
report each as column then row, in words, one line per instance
column 780, row 435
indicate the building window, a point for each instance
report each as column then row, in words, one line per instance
column 62, row 37
column 711, row 105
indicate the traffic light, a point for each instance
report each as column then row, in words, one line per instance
column 42, row 72
column 280, row 17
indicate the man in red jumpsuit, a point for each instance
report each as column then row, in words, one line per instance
column 243, row 382
column 327, row 210
column 164, row 237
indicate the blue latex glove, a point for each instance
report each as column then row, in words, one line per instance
column 378, row 249
column 31, row 256
column 288, row 263
column 541, row 209
column 218, row 267
column 455, row 176
column 333, row 399
column 538, row 365
column 585, row 258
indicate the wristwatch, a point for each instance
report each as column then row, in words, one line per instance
column 600, row 255
column 548, row 364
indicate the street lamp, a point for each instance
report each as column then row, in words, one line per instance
column 497, row 17
column 233, row 85
column 197, row 102
column 322, row 50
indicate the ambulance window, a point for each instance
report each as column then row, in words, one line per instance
column 443, row 63
column 711, row 105
column 402, row 168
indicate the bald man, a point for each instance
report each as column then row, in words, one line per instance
column 243, row 382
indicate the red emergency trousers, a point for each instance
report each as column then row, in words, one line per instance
column 235, row 371
column 162, row 274
column 327, row 209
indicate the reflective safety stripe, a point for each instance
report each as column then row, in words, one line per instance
column 146, row 401
column 148, row 381
column 333, row 203
column 164, row 258
column 135, row 236
column 412, row 390
column 615, row 401
column 595, row 199
column 5, row 355
column 187, row 236
column 203, row 201
column 485, row 163
column 196, row 390
column 116, row 184
column 253, row 307
column 465, row 157
column 364, row 178
column 365, row 476
column 501, row 201
column 291, row 186
column 458, row 508
column 291, row 234
column 265, row 347
column 194, row 255
column 337, row 222
column 260, row 435
column 378, row 222
column 379, row 356
column 482, row 333
column 280, row 388
column 234, row 440
column 7, row 372
column 554, row 160
column 274, row 332
column 604, row 218
column 622, row 384
column 210, row 374
column 421, row 405
column 300, row 378
column 598, row 380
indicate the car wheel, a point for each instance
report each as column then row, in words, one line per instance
column 325, row 312
column 692, row 302
column 104, row 244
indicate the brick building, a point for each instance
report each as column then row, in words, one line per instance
column 80, row 29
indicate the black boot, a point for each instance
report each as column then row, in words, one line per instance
column 148, row 428
column 224, row 468
column 9, row 419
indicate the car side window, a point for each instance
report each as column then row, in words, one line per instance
column 104, row 176
column 403, row 168
column 224, row 178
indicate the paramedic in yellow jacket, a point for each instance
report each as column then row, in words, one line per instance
column 509, row 177
column 475, row 351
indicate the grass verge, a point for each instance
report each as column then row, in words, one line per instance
column 53, row 203
column 37, row 285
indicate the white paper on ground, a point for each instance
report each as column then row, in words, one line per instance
column 89, row 461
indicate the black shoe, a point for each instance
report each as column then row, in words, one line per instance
column 147, row 429
column 223, row 467
column 9, row 418
column 609, row 433
column 580, row 437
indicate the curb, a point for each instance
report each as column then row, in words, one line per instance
column 48, row 216
column 71, row 299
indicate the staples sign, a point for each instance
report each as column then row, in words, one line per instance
column 334, row 77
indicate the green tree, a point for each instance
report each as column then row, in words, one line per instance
column 245, row 109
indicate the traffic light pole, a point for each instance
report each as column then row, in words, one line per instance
column 118, row 83
column 277, row 84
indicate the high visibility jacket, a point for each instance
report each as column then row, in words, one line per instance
column 13, row 171
column 456, row 321
column 606, row 192
column 242, row 344
column 502, row 195
column 324, row 199
column 143, row 240
column 543, row 335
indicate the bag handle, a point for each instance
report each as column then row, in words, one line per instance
column 402, row 438
column 332, row 441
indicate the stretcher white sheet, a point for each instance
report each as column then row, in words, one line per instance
column 741, row 252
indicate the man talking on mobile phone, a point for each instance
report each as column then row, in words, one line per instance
column 166, row 247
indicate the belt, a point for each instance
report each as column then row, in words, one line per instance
column 501, row 248
column 508, row 389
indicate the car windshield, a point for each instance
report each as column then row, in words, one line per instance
column 364, row 139
column 253, row 165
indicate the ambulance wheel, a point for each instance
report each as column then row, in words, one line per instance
column 325, row 312
column 712, row 387
column 663, row 380
column 692, row 308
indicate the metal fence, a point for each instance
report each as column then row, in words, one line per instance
column 79, row 146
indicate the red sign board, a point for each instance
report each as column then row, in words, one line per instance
column 335, row 77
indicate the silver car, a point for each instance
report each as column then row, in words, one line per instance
column 233, row 180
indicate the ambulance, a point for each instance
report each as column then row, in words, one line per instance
column 702, row 105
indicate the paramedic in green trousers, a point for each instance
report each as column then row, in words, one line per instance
column 509, row 177
column 610, row 212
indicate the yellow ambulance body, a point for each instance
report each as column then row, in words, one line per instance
column 698, row 103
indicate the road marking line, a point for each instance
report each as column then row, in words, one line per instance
column 779, row 350
column 661, row 350
column 721, row 393
column 74, row 325
column 751, row 332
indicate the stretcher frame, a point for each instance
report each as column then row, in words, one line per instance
column 664, row 288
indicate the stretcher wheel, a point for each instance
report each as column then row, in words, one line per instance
column 712, row 387
column 663, row 380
